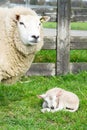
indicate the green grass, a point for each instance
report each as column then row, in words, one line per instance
column 50, row 56
column 45, row 56
column 20, row 107
column 78, row 56
column 49, row 25
column 74, row 25
column 79, row 26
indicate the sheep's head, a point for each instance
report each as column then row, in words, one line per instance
column 29, row 27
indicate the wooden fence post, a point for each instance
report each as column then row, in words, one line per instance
column 27, row 2
column 63, row 37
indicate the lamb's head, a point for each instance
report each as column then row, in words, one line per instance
column 51, row 98
column 29, row 28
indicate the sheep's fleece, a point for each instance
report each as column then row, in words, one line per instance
column 15, row 56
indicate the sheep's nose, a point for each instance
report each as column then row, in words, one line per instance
column 35, row 37
column 52, row 107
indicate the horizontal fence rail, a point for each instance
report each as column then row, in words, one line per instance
column 47, row 69
column 77, row 13
column 76, row 42
column 44, row 69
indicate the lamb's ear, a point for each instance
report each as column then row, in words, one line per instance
column 17, row 17
column 44, row 18
column 59, row 93
column 41, row 96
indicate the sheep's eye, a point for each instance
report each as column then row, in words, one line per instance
column 21, row 23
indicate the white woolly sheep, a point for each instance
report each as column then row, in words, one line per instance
column 20, row 38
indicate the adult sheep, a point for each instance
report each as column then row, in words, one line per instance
column 20, row 38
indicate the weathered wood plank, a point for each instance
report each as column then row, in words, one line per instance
column 77, row 14
column 48, row 69
column 49, row 43
column 80, row 18
column 78, row 42
column 77, row 67
column 80, row 39
column 78, row 45
column 44, row 69
column 79, row 11
column 63, row 37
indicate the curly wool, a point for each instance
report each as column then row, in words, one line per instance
column 15, row 57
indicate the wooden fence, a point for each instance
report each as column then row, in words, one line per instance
column 77, row 13
column 62, row 43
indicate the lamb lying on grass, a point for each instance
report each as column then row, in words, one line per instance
column 57, row 99
column 20, row 38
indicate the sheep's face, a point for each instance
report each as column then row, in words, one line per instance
column 29, row 28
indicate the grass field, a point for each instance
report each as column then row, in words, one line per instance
column 50, row 56
column 20, row 107
column 74, row 25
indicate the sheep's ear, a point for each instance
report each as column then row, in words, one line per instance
column 41, row 96
column 44, row 18
column 59, row 93
column 17, row 17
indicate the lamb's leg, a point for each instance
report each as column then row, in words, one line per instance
column 70, row 109
column 51, row 110
column 44, row 105
column 57, row 109
column 45, row 110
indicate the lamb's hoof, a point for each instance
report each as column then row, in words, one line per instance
column 45, row 110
